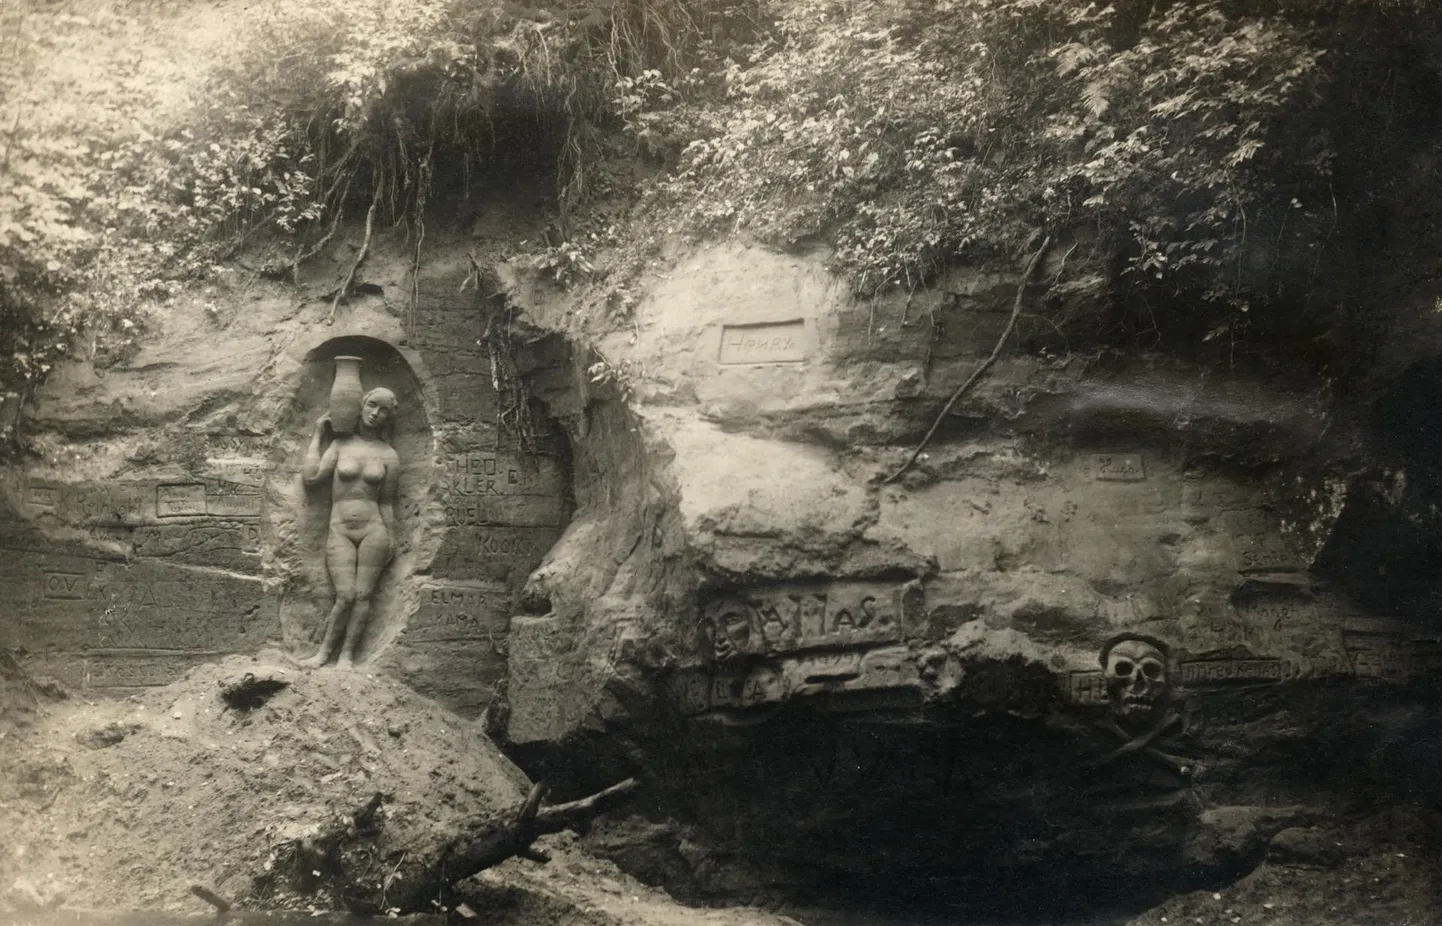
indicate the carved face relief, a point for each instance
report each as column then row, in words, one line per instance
column 730, row 634
column 1137, row 682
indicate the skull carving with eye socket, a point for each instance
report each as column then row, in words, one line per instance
column 1138, row 682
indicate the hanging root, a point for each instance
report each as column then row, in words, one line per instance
column 985, row 365
column 359, row 258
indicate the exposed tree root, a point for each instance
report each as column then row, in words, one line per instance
column 985, row 365
column 345, row 285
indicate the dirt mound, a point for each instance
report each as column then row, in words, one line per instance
column 126, row 804
column 1379, row 870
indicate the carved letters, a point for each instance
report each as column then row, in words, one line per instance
column 1118, row 467
column 130, row 503
column 792, row 618
column 490, row 489
column 455, row 612
column 773, row 681
column 173, row 501
column 1385, row 649
column 771, row 342
column 1217, row 671
column 775, row 643
column 93, row 619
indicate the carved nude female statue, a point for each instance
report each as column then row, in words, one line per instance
column 364, row 471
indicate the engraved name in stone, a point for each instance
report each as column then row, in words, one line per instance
column 1118, row 467
column 791, row 618
column 1276, row 616
column 770, row 342
column 456, row 612
column 1220, row 671
column 179, row 500
column 1399, row 663
column 808, row 674
column 100, row 672
column 1264, row 552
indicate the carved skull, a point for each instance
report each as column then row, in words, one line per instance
column 1137, row 681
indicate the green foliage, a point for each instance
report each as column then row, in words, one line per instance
column 68, row 199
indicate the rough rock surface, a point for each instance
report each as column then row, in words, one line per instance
column 678, row 551
column 850, row 686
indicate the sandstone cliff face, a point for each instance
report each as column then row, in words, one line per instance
column 894, row 687
column 677, row 550
column 167, row 522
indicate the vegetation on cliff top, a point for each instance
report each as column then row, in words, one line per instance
column 1212, row 160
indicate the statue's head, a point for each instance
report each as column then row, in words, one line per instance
column 1137, row 677
column 378, row 410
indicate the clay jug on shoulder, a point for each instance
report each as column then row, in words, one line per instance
column 345, row 396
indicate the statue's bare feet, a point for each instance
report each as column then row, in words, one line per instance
column 314, row 662
column 345, row 663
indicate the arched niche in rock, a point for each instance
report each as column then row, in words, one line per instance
column 298, row 516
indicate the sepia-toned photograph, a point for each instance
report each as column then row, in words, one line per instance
column 720, row 462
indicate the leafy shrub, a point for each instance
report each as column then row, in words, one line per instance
column 1203, row 150
column 1194, row 145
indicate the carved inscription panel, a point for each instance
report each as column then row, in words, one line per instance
column 884, row 669
column 482, row 488
column 792, row 618
column 1387, row 649
column 493, row 553
column 1118, row 467
column 77, row 610
column 452, row 612
column 771, row 342
column 141, row 502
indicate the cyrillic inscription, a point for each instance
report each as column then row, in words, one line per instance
column 770, row 342
column 1215, row 671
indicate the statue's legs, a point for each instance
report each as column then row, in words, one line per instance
column 372, row 555
column 340, row 559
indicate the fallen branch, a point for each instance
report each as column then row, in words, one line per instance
column 563, row 816
column 371, row 871
column 985, row 365
column 220, row 904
